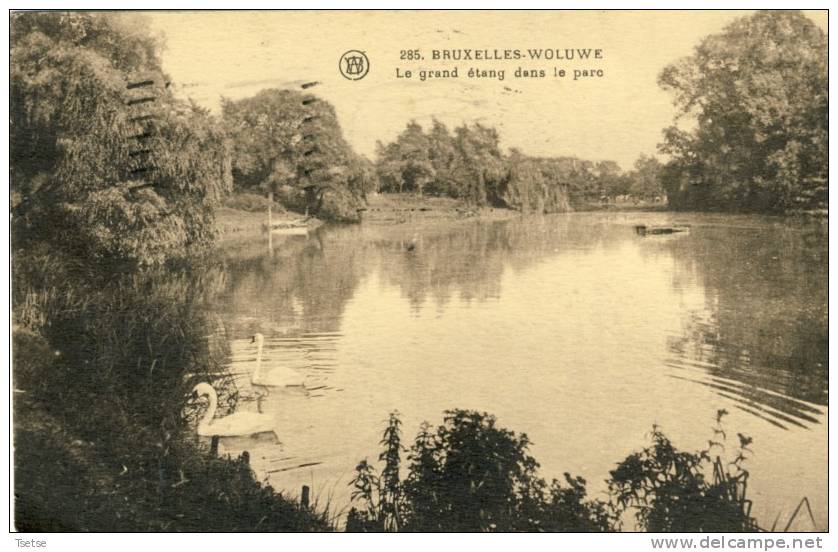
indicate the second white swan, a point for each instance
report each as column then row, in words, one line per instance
column 275, row 377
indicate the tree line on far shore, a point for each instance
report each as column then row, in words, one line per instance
column 469, row 164
column 108, row 163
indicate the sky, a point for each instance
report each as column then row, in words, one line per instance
column 617, row 116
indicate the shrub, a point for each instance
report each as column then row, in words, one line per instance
column 340, row 205
column 532, row 187
column 670, row 489
column 469, row 475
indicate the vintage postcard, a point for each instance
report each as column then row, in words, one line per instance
column 420, row 271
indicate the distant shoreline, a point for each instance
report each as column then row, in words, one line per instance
column 381, row 209
column 388, row 209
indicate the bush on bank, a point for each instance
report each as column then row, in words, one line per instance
column 104, row 363
column 472, row 475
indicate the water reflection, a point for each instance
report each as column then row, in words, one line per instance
column 571, row 328
column 758, row 337
column 301, row 287
column 761, row 337
column 469, row 261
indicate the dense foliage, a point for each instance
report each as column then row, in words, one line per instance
column 291, row 144
column 468, row 475
column 469, row 164
column 101, row 165
column 471, row 475
column 104, row 437
column 677, row 491
column 755, row 101
column 466, row 164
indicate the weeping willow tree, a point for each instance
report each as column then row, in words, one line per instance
column 105, row 162
column 533, row 186
column 468, row 164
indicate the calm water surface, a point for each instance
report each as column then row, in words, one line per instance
column 570, row 328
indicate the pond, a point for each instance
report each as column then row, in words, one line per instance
column 570, row 328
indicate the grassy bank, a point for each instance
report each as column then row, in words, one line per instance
column 66, row 482
column 389, row 208
column 402, row 208
column 103, row 430
column 243, row 219
column 642, row 206
column 243, row 214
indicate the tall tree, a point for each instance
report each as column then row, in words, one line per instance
column 479, row 167
column 755, row 96
column 610, row 179
column 406, row 164
column 645, row 178
column 287, row 141
column 468, row 164
column 442, row 156
column 104, row 161
column 266, row 131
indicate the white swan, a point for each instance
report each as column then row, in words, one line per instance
column 236, row 424
column 276, row 377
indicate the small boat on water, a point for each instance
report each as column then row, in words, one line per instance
column 297, row 227
column 294, row 227
column 643, row 230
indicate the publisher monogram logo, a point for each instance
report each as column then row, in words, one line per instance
column 354, row 65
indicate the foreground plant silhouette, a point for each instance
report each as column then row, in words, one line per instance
column 670, row 490
column 468, row 475
column 471, row 475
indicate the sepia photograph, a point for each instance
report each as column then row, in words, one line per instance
column 448, row 271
